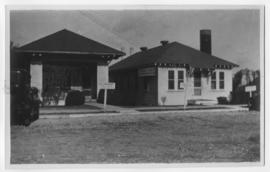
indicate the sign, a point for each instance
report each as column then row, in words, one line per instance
column 108, row 86
column 150, row 71
column 250, row 88
column 182, row 85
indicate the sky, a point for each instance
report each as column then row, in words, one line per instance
column 235, row 33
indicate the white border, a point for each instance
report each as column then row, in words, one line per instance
column 228, row 5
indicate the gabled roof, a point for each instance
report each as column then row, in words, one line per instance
column 171, row 53
column 65, row 41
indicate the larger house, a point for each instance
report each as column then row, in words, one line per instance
column 66, row 61
column 172, row 74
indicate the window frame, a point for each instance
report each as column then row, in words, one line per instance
column 222, row 80
column 181, row 79
column 175, row 80
column 214, row 80
column 171, row 80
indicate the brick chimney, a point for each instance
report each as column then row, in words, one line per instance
column 205, row 41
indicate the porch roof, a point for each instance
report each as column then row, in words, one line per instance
column 171, row 54
column 68, row 42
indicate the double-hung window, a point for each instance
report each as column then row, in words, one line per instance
column 180, row 82
column 171, row 80
column 213, row 81
column 176, row 79
column 221, row 80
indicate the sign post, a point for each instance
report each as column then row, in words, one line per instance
column 107, row 86
column 250, row 89
column 185, row 94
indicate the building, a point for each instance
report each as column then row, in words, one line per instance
column 172, row 74
column 66, row 61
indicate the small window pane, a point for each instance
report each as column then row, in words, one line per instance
column 171, row 74
column 221, row 75
column 213, row 85
column 171, row 84
column 180, row 74
column 221, row 85
column 213, row 77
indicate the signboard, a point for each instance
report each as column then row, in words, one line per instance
column 150, row 71
column 250, row 88
column 108, row 86
column 182, row 85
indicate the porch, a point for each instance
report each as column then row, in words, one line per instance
column 65, row 61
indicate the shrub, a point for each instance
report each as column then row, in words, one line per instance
column 222, row 100
column 254, row 102
column 74, row 97
column 191, row 102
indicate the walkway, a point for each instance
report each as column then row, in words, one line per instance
column 97, row 109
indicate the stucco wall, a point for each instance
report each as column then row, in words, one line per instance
column 173, row 97
column 102, row 76
column 36, row 69
column 177, row 97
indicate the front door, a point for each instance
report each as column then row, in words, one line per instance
column 197, row 83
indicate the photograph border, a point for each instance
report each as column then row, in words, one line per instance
column 133, row 7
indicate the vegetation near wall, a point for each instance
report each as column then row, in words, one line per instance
column 242, row 79
column 74, row 97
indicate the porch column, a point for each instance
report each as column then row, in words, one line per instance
column 36, row 76
column 102, row 75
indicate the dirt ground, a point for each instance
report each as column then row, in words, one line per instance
column 151, row 138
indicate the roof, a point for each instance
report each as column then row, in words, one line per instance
column 172, row 53
column 65, row 41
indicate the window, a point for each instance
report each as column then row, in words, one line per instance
column 221, row 80
column 180, row 80
column 171, row 80
column 213, row 81
column 197, row 79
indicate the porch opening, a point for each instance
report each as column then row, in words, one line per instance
column 59, row 78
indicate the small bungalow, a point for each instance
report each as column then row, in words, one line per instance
column 66, row 61
column 172, row 74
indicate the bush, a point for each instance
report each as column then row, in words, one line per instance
column 74, row 97
column 254, row 102
column 222, row 100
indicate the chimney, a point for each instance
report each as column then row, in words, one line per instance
column 205, row 41
column 164, row 42
column 143, row 48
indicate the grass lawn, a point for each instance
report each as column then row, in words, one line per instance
column 176, row 137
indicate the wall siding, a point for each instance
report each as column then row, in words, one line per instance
column 147, row 97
